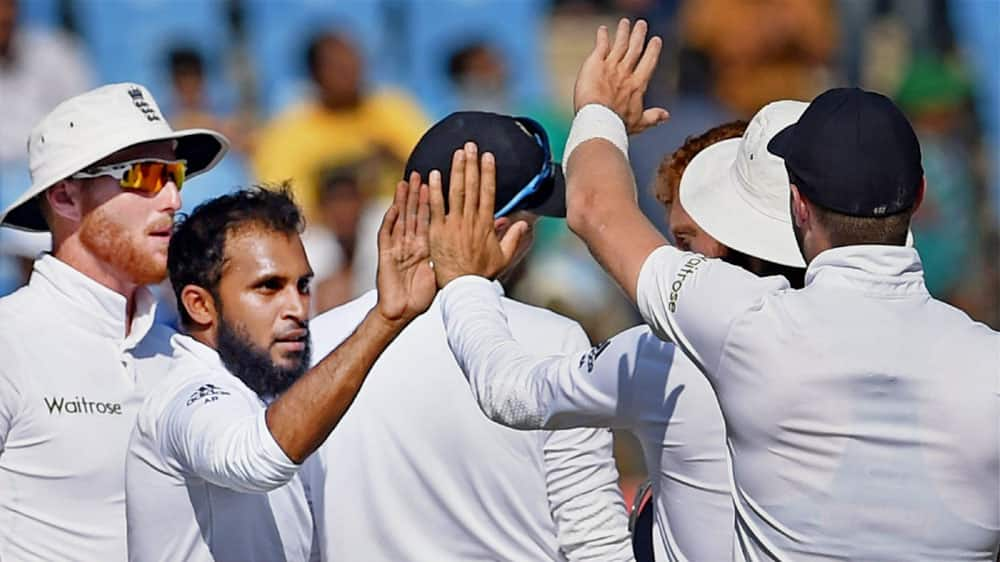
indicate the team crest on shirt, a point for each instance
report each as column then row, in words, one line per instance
column 593, row 354
column 207, row 393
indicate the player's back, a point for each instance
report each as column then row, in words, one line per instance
column 415, row 470
column 869, row 424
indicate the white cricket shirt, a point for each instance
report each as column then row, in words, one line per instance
column 414, row 471
column 863, row 414
column 205, row 479
column 69, row 393
column 635, row 382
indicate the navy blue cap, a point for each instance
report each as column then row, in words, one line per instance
column 853, row 152
column 525, row 173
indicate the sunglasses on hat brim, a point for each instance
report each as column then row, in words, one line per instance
column 149, row 175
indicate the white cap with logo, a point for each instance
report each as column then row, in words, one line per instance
column 90, row 127
column 739, row 193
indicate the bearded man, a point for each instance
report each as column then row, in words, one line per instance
column 106, row 171
column 212, row 468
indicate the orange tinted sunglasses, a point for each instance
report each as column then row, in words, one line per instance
column 148, row 174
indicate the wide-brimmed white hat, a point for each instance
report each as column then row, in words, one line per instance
column 739, row 193
column 90, row 127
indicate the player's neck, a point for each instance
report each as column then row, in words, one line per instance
column 74, row 254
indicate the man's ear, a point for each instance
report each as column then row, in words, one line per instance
column 920, row 194
column 65, row 200
column 800, row 208
column 199, row 304
column 501, row 225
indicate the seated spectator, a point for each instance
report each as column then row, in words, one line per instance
column 191, row 107
column 763, row 50
column 38, row 69
column 341, row 123
column 479, row 77
column 330, row 240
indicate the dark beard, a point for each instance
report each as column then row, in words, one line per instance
column 253, row 366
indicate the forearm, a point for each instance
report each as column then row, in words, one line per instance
column 301, row 419
column 602, row 210
column 513, row 386
column 502, row 376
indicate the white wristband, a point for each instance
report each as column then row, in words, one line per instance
column 595, row 121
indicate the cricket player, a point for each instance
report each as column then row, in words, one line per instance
column 106, row 172
column 634, row 381
column 212, row 468
column 862, row 415
column 415, row 471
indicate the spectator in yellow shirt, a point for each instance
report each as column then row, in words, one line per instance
column 340, row 124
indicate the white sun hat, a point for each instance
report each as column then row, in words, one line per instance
column 739, row 193
column 90, row 127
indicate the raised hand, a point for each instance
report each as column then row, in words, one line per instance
column 463, row 240
column 616, row 76
column 405, row 279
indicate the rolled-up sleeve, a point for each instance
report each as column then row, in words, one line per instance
column 213, row 432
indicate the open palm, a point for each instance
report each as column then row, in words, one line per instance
column 617, row 74
column 405, row 279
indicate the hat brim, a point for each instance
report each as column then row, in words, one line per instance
column 712, row 195
column 780, row 143
column 201, row 148
column 551, row 200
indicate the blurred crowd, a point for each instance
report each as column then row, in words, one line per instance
column 332, row 96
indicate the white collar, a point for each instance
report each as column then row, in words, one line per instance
column 209, row 357
column 203, row 353
column 92, row 305
column 894, row 268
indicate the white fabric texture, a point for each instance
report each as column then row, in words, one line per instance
column 595, row 121
column 863, row 415
column 414, row 471
column 635, row 382
column 205, row 479
column 70, row 387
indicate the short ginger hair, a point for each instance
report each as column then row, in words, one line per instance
column 668, row 174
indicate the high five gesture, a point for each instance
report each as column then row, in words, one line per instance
column 617, row 75
column 600, row 192
column 463, row 239
column 405, row 279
